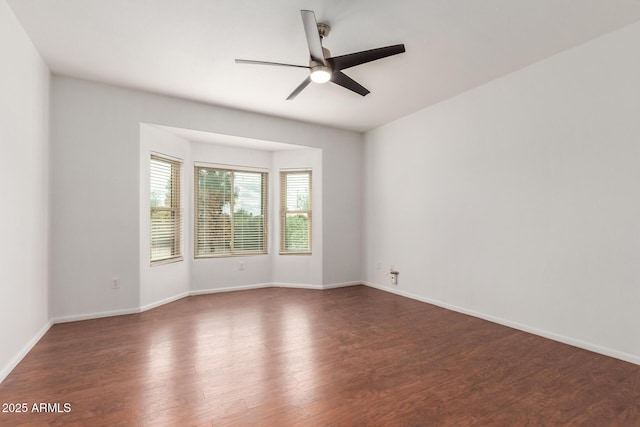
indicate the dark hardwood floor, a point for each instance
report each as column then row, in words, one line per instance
column 349, row 356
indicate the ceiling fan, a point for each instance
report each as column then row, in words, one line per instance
column 322, row 66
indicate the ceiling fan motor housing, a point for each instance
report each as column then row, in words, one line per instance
column 315, row 65
column 323, row 30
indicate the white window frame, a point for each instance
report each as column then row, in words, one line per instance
column 175, row 211
column 198, row 226
column 284, row 212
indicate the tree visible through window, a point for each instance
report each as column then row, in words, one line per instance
column 230, row 212
column 295, row 212
column 166, row 219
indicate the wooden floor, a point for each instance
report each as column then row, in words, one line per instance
column 349, row 356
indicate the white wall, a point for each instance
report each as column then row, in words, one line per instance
column 305, row 270
column 165, row 282
column 344, row 192
column 24, row 221
column 518, row 201
column 96, row 182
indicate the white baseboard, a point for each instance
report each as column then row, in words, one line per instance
column 316, row 287
column 296, row 286
column 627, row 357
column 229, row 289
column 163, row 302
column 273, row 285
column 255, row 286
column 341, row 285
column 89, row 316
column 6, row 370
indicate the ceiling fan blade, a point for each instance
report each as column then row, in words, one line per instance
column 313, row 37
column 297, row 90
column 352, row 59
column 340, row 78
column 249, row 61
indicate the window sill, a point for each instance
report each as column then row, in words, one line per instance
column 166, row 261
column 229, row 255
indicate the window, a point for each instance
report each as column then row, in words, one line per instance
column 295, row 212
column 230, row 211
column 166, row 211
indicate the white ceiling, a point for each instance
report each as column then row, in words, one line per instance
column 186, row 48
column 229, row 140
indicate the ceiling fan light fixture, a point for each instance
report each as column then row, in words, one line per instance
column 320, row 74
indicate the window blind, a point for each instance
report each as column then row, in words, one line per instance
column 230, row 212
column 166, row 209
column 295, row 212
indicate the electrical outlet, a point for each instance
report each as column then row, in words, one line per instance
column 115, row 283
column 241, row 265
column 394, row 275
column 394, row 278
